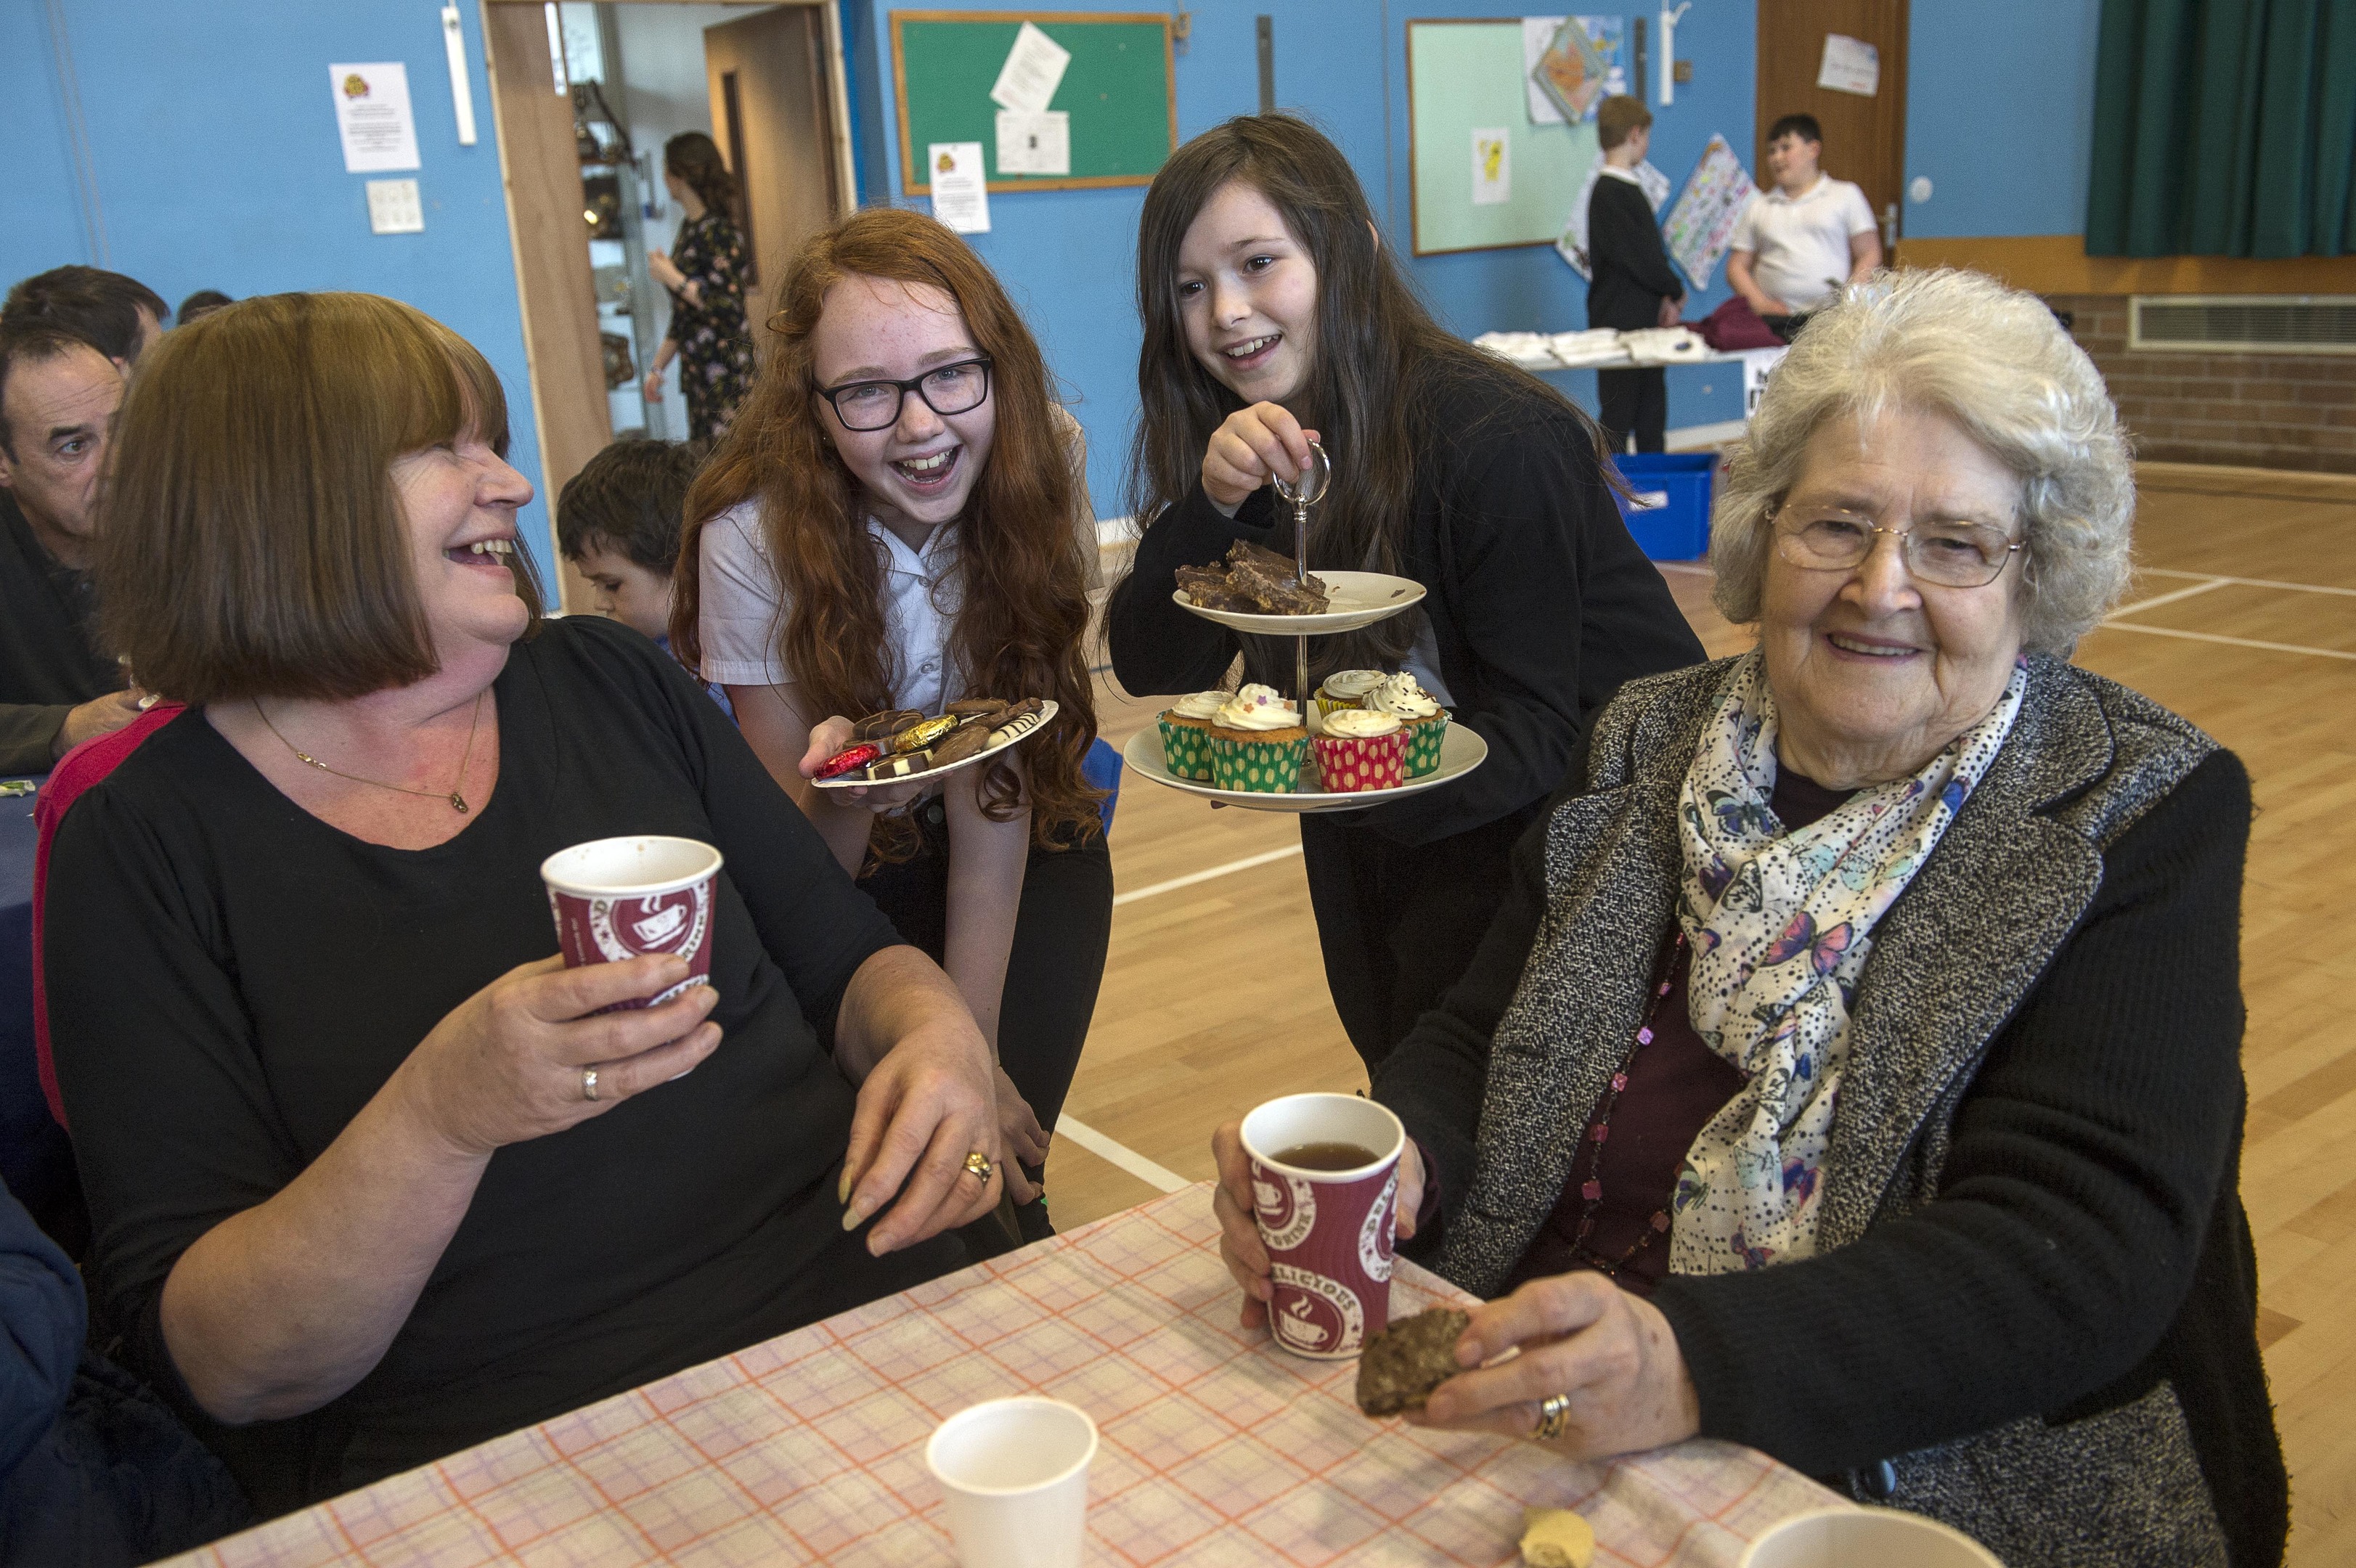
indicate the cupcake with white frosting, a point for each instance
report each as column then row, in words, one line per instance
column 1424, row 721
column 1257, row 743
column 1187, row 734
column 1346, row 689
column 1361, row 749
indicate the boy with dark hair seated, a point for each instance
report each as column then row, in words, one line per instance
column 618, row 520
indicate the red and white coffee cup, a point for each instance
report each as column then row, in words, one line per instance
column 1329, row 1233
column 617, row 899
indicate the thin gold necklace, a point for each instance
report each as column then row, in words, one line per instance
column 457, row 802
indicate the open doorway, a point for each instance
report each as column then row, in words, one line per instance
column 584, row 96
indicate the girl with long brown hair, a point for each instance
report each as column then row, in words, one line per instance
column 1274, row 316
column 893, row 523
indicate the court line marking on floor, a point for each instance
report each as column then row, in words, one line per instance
column 1188, row 880
column 2155, row 602
column 2229, row 642
column 1120, row 1153
column 2210, row 577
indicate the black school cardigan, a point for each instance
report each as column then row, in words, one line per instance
column 1540, row 603
column 1631, row 266
column 2035, row 1293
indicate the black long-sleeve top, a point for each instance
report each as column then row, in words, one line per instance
column 49, row 659
column 1540, row 603
column 2087, row 1239
column 1631, row 266
column 231, row 979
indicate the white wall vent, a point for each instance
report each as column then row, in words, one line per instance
column 2244, row 323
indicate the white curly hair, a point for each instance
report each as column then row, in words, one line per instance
column 1997, row 362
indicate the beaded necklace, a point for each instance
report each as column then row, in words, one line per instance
column 1591, row 1191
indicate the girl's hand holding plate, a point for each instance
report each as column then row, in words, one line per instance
column 833, row 738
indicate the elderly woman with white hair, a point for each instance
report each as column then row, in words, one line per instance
column 1855, row 1072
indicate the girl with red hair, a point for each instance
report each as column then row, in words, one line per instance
column 895, row 521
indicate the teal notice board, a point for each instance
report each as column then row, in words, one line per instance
column 1465, row 78
column 1117, row 90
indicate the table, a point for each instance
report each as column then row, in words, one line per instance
column 1216, row 1446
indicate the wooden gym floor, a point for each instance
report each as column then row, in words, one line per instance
column 2243, row 620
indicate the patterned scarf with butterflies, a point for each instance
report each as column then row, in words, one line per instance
column 1780, row 924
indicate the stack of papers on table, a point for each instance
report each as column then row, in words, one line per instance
column 1528, row 349
column 1664, row 345
column 1597, row 346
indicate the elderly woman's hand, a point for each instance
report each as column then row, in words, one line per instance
column 831, row 737
column 1239, row 1243
column 1577, row 1335
column 510, row 1063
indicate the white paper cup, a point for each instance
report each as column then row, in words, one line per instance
column 1013, row 1475
column 1865, row 1537
column 617, row 899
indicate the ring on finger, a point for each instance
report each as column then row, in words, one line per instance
column 1553, row 1417
column 589, row 1084
column 979, row 1165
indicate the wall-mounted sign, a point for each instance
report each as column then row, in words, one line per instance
column 372, row 116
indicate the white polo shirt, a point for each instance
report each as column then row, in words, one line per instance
column 1799, row 244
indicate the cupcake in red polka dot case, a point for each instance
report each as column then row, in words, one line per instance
column 1361, row 749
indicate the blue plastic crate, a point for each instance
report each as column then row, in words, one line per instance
column 1671, row 517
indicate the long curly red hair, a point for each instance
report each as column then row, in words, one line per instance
column 1022, row 581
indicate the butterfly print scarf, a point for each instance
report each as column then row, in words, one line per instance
column 1780, row 924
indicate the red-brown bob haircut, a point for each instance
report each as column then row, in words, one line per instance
column 1023, row 605
column 251, row 543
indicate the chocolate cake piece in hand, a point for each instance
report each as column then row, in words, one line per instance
column 1401, row 1365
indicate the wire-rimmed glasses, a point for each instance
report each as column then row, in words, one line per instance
column 1951, row 554
column 876, row 405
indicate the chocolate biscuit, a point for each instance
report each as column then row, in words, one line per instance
column 1401, row 1365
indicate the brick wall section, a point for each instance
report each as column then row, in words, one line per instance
column 2263, row 411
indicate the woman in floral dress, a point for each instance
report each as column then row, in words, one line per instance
column 708, row 332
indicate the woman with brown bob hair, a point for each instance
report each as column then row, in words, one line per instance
column 373, row 1176
column 896, row 523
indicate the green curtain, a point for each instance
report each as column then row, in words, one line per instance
column 2224, row 128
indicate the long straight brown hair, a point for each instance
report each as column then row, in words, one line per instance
column 1023, row 603
column 1378, row 361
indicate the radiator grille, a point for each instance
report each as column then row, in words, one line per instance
column 2247, row 324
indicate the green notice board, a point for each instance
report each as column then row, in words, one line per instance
column 1464, row 78
column 1117, row 90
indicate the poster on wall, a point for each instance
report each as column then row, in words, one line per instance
column 1850, row 65
column 960, row 185
column 1492, row 167
column 373, row 118
column 1707, row 210
column 1573, row 67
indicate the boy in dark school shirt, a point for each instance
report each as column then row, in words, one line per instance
column 1633, row 287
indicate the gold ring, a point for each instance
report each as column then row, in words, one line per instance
column 979, row 1163
column 588, row 1083
column 1554, row 1414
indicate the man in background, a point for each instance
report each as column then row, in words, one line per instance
column 1798, row 245
column 1633, row 287
column 59, row 394
column 122, row 315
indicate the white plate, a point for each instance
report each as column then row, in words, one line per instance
column 1046, row 717
column 1358, row 599
column 1461, row 751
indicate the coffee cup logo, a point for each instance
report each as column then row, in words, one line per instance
column 1288, row 1208
column 1375, row 1242
column 1320, row 1315
column 667, row 923
column 656, row 930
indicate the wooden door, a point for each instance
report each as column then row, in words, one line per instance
column 773, row 114
column 1865, row 138
column 541, row 166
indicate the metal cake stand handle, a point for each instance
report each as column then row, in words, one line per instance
column 1304, row 492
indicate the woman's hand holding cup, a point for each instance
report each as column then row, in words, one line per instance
column 1255, row 445
column 1240, row 1247
column 508, row 1064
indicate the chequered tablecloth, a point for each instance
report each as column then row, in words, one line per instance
column 1216, row 1446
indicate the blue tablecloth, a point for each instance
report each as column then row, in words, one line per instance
column 34, row 1158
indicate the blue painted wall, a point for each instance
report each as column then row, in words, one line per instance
column 213, row 139
column 2000, row 116
column 1069, row 257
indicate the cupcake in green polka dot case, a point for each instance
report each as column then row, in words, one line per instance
column 1360, row 749
column 1257, row 743
column 1187, row 734
column 1425, row 720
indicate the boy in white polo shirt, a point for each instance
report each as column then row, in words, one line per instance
column 1795, row 246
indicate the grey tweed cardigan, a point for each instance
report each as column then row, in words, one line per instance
column 1951, row 1005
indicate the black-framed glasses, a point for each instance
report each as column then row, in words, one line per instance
column 876, row 405
column 1950, row 554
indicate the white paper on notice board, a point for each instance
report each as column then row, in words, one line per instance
column 373, row 118
column 1492, row 167
column 1850, row 65
column 1034, row 70
column 960, row 187
column 1031, row 143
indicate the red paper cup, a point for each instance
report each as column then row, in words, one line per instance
column 1329, row 1233
column 627, row 897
